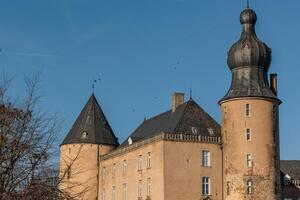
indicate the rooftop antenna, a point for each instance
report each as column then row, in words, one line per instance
column 94, row 83
column 191, row 93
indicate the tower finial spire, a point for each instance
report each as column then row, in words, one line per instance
column 248, row 4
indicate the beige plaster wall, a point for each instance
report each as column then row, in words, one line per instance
column 83, row 162
column 264, row 148
column 183, row 170
column 132, row 176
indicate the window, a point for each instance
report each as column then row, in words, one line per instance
column 113, row 195
column 248, row 134
column 140, row 189
column 149, row 160
column 249, row 160
column 205, row 186
column 130, row 141
column 124, row 166
column 194, row 130
column 148, row 187
column 113, row 171
column 103, row 194
column 140, row 162
column 211, row 131
column 286, row 180
column 228, row 188
column 103, row 173
column 124, row 191
column 205, row 158
column 84, row 135
column 248, row 110
column 249, row 187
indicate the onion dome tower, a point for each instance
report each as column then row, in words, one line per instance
column 89, row 138
column 250, row 119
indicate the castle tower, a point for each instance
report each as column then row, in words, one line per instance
column 250, row 120
column 90, row 137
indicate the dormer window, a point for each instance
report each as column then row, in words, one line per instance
column 286, row 180
column 84, row 135
column 130, row 141
column 194, row 130
column 211, row 131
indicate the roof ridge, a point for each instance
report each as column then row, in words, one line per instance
column 179, row 120
column 158, row 115
column 206, row 113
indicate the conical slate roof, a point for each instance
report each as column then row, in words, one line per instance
column 91, row 126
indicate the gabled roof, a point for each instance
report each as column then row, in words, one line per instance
column 291, row 168
column 91, row 126
column 186, row 116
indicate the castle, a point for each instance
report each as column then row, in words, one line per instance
column 184, row 154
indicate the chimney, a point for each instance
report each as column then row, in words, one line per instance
column 177, row 100
column 273, row 83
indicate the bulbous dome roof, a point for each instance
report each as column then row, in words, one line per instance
column 249, row 51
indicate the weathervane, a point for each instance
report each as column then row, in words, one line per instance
column 93, row 84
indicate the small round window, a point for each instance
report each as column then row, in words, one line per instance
column 84, row 135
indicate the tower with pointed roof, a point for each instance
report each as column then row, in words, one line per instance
column 89, row 138
column 250, row 120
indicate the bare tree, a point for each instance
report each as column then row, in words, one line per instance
column 27, row 136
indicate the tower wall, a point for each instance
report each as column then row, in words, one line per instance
column 263, row 147
column 79, row 169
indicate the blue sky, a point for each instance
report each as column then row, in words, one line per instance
column 143, row 50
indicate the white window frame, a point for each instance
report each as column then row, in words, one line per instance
column 140, row 163
column 206, row 185
column 247, row 110
column 249, row 187
column 194, row 130
column 140, row 189
column 211, row 131
column 206, row 158
column 248, row 134
column 149, row 187
column 124, row 167
column 249, row 160
column 149, row 164
column 124, row 196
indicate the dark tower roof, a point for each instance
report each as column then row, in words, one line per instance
column 188, row 116
column 91, row 126
column 249, row 60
